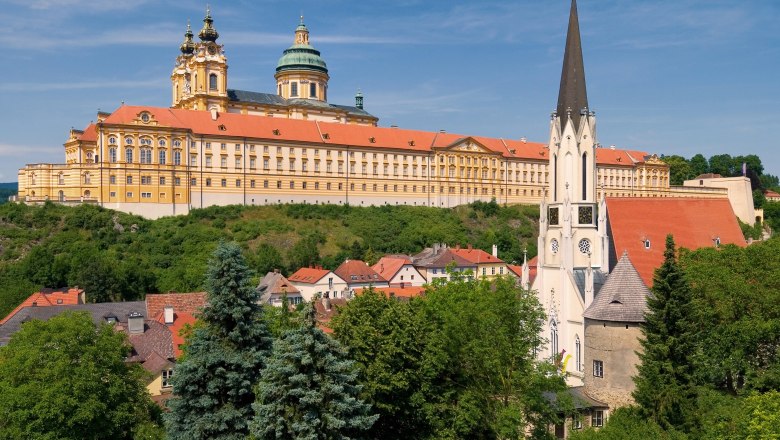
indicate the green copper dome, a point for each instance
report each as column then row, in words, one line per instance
column 301, row 55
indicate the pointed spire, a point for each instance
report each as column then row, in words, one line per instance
column 208, row 33
column 572, row 97
column 188, row 46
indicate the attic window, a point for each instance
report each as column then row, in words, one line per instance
column 411, row 143
column 619, row 159
column 277, row 132
column 647, row 243
column 59, row 301
column 145, row 117
column 372, row 139
column 717, row 241
column 326, row 135
column 222, row 127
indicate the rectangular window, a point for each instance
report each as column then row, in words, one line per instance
column 597, row 419
column 162, row 180
column 166, row 378
column 576, row 421
column 238, row 163
column 238, row 147
column 278, row 184
column 193, row 160
column 177, row 157
column 598, row 368
column 223, row 147
column 223, row 162
column 265, row 184
column 293, row 89
column 112, row 194
column 146, row 180
column 265, row 164
column 208, row 161
column 251, row 183
column 292, row 184
column 129, row 195
column 193, row 182
column 129, row 180
column 177, row 181
column 313, row 90
column 208, row 145
column 146, row 195
column 224, row 182
column 238, row 183
column 111, row 179
column 252, row 163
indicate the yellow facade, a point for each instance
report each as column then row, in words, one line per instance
column 146, row 167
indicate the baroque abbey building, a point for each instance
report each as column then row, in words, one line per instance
column 220, row 146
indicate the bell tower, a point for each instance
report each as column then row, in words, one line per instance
column 199, row 79
column 571, row 245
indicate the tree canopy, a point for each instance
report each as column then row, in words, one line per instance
column 66, row 379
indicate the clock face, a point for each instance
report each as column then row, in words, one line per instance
column 212, row 50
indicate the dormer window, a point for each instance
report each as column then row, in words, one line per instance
column 145, row 117
column 647, row 243
column 717, row 241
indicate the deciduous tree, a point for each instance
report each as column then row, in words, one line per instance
column 65, row 379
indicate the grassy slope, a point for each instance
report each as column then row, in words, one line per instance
column 54, row 246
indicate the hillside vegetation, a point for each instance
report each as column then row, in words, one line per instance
column 116, row 256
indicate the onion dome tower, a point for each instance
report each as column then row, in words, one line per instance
column 208, row 33
column 188, row 46
column 301, row 71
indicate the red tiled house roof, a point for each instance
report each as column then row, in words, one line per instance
column 387, row 267
column 476, row 256
column 694, row 223
column 49, row 297
column 308, row 275
column 362, row 272
column 398, row 292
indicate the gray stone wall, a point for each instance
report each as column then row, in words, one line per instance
column 615, row 344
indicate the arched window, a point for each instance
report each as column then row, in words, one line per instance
column 584, row 176
column 129, row 155
column 61, row 196
column 32, row 179
column 161, row 157
column 553, row 339
column 213, row 81
column 112, row 155
column 578, row 352
column 87, row 194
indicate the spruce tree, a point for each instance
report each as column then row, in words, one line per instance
column 224, row 357
column 309, row 389
column 665, row 388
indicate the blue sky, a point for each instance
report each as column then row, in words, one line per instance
column 666, row 76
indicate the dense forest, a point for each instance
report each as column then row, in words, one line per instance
column 116, row 256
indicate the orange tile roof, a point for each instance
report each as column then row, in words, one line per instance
column 89, row 135
column 476, row 256
column 693, row 222
column 308, row 275
column 49, row 297
column 628, row 158
column 387, row 267
column 180, row 321
column 516, row 270
column 771, row 195
column 359, row 269
column 191, row 302
column 400, row 292
column 237, row 125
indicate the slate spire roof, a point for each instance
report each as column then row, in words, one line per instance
column 623, row 298
column 572, row 94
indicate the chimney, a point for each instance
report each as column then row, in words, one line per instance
column 213, row 114
column 135, row 323
column 168, row 314
column 495, row 251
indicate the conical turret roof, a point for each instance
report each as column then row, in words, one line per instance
column 623, row 298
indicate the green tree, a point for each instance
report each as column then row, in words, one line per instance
column 665, row 388
column 387, row 338
column 724, row 165
column 627, row 424
column 65, row 379
column 679, row 169
column 265, row 259
column 224, row 356
column 699, row 165
column 305, row 252
column 487, row 382
column 309, row 389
